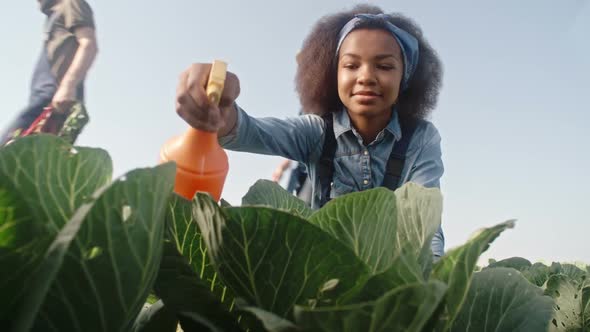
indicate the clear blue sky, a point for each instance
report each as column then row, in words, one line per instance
column 513, row 112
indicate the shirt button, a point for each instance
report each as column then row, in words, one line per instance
column 366, row 152
column 366, row 181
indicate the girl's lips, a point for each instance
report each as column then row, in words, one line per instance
column 366, row 93
column 365, row 97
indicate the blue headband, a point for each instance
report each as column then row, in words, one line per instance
column 407, row 42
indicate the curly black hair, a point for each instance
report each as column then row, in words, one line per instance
column 316, row 77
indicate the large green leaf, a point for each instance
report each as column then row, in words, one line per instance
column 99, row 270
column 537, row 274
column 457, row 266
column 586, row 304
column 517, row 263
column 366, row 223
column 379, row 225
column 274, row 259
column 17, row 226
column 267, row 321
column 185, row 234
column 20, row 253
column 155, row 318
column 572, row 303
column 501, row 299
column 53, row 177
column 43, row 180
column 570, row 270
column 419, row 212
column 407, row 308
column 268, row 193
column 404, row 270
column 184, row 292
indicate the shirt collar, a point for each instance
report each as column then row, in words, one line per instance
column 342, row 124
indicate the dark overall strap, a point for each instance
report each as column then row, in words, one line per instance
column 326, row 164
column 397, row 158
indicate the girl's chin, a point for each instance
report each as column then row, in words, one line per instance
column 367, row 110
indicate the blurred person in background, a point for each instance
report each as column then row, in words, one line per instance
column 68, row 51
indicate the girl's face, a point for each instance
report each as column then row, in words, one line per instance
column 370, row 69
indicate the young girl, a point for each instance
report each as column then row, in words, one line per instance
column 369, row 80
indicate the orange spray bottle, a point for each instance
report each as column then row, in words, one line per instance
column 201, row 163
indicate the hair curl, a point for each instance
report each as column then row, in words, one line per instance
column 316, row 77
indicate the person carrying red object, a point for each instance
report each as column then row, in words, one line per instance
column 69, row 49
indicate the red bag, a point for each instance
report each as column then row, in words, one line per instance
column 49, row 122
column 67, row 125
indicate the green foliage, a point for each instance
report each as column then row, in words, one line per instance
column 456, row 269
column 83, row 253
column 567, row 284
column 155, row 317
column 88, row 251
column 506, row 300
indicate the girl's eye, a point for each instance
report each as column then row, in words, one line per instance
column 350, row 66
column 385, row 67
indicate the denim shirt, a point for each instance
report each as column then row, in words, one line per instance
column 357, row 166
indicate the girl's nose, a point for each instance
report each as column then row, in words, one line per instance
column 366, row 75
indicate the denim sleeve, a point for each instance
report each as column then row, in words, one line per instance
column 438, row 244
column 428, row 168
column 297, row 138
column 427, row 171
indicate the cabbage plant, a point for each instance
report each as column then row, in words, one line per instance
column 82, row 252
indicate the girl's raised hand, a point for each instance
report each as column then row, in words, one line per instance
column 193, row 105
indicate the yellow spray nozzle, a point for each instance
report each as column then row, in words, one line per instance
column 216, row 81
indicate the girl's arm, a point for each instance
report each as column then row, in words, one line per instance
column 297, row 138
column 427, row 170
